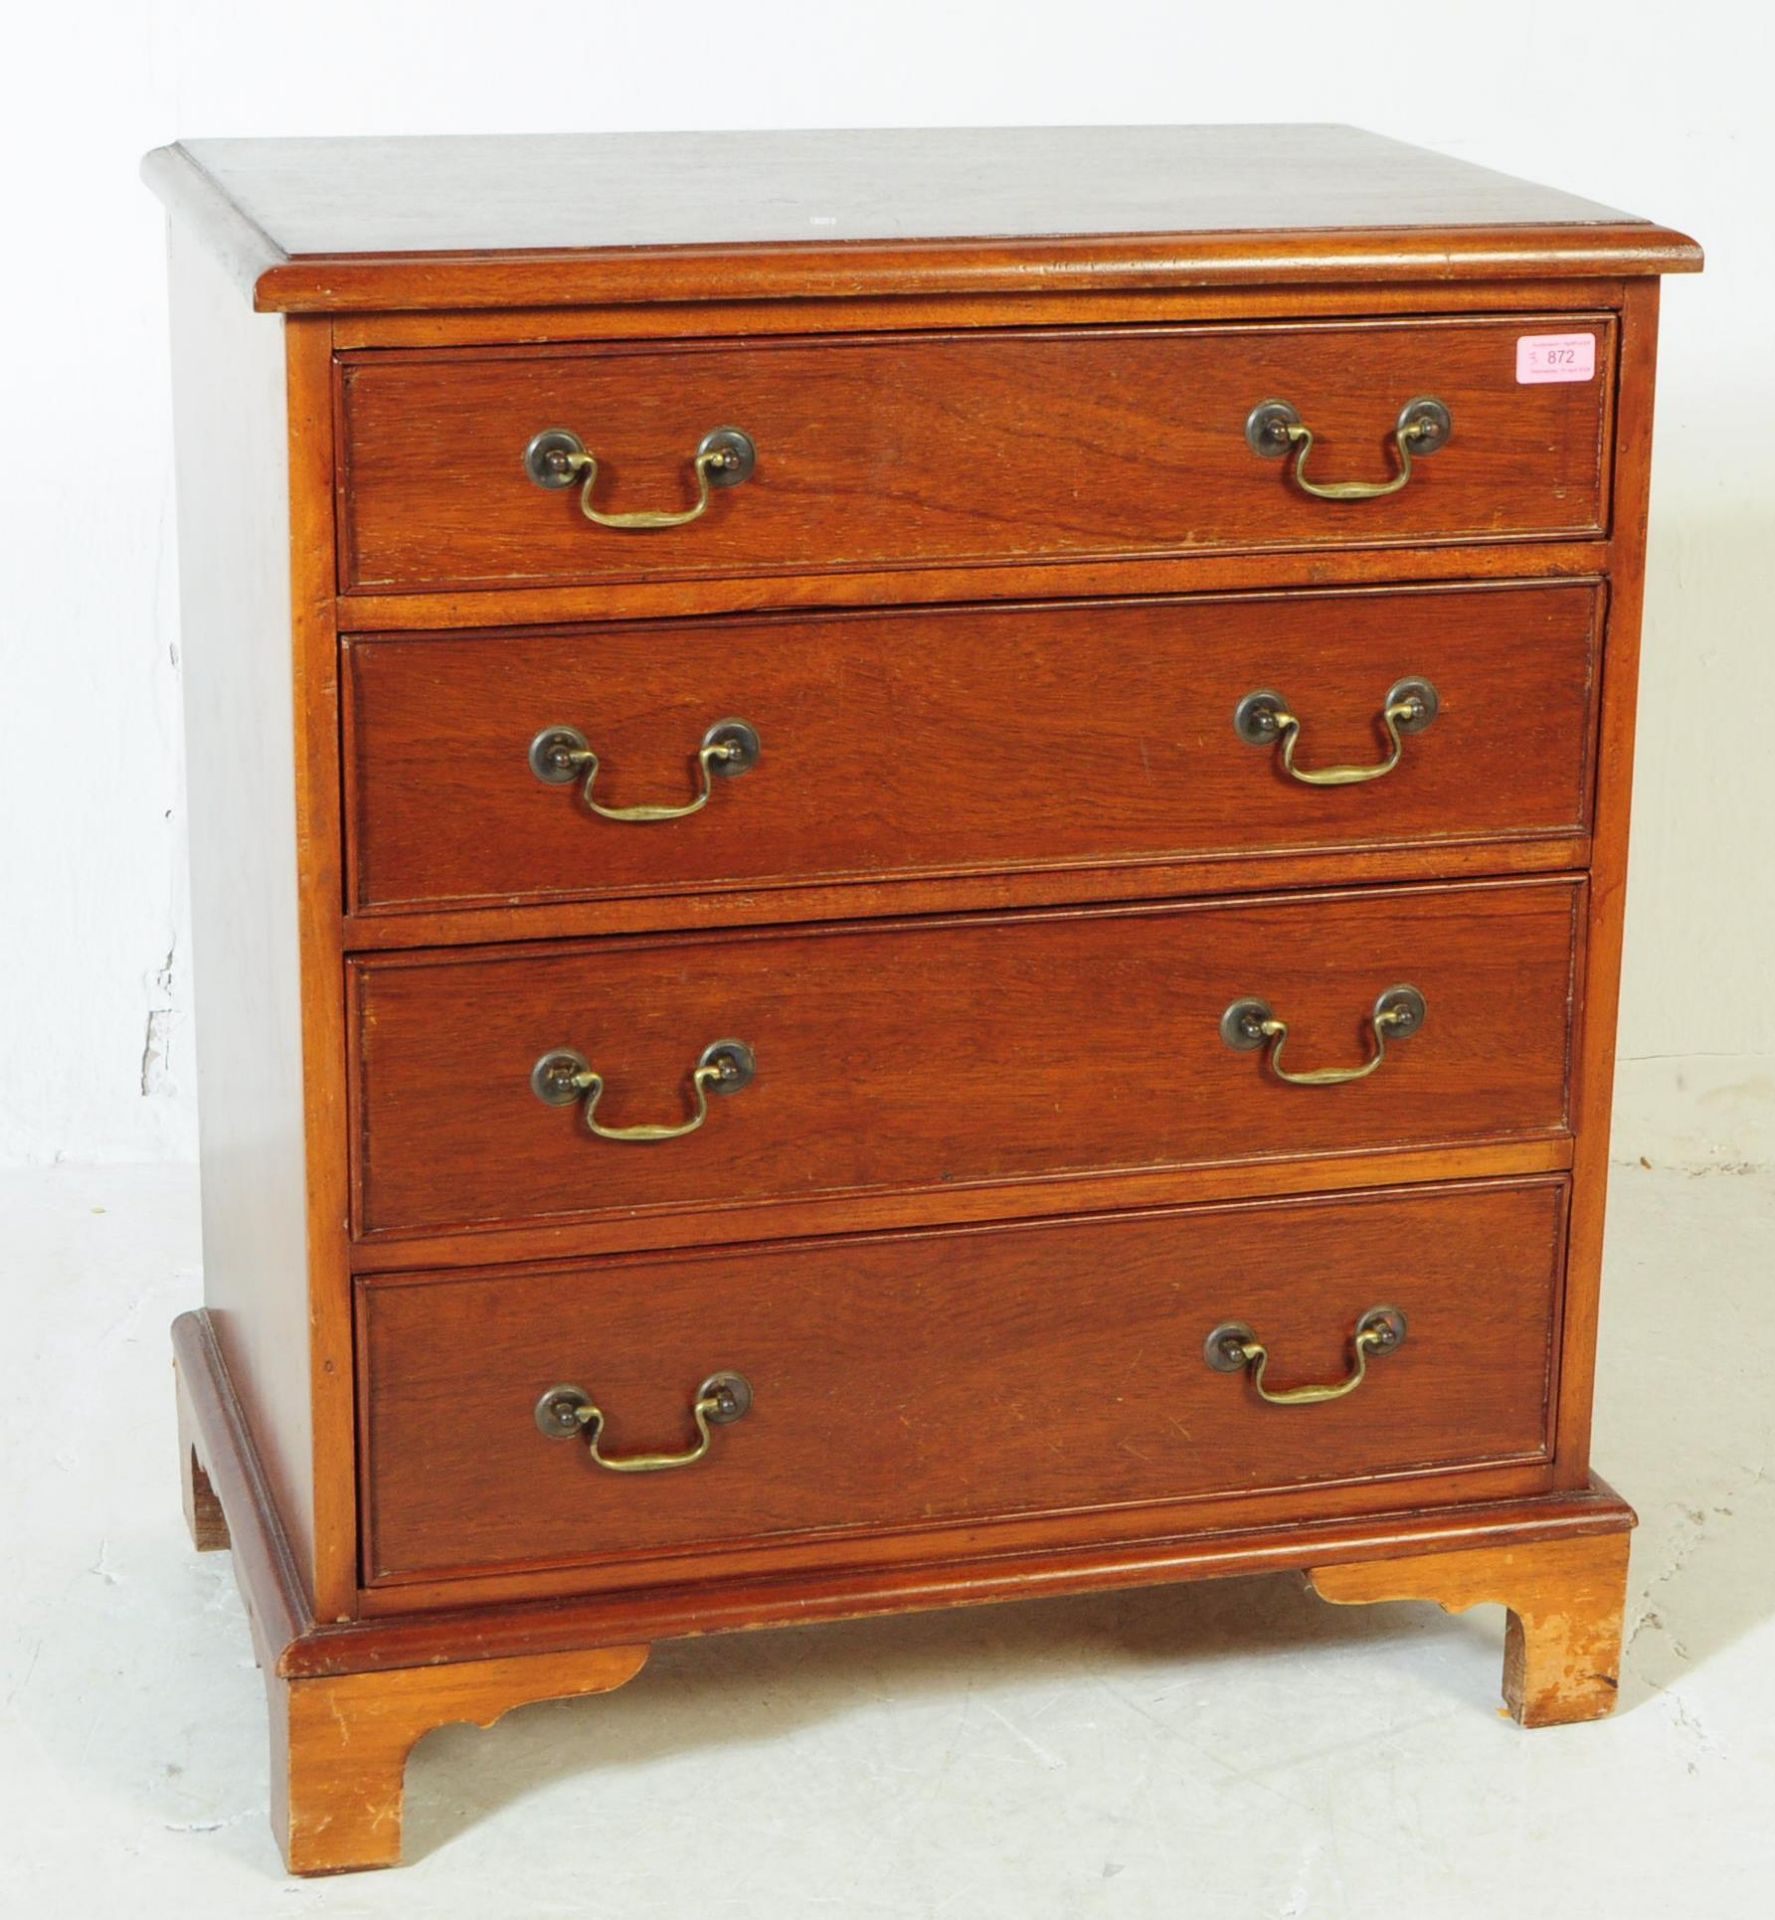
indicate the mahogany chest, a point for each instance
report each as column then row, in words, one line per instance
column 907, row 863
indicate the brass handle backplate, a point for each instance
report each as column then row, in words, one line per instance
column 558, row 457
column 1274, row 430
column 1232, row 1348
column 1250, row 1024
column 562, row 1076
column 560, row 755
column 565, row 1412
column 1262, row 718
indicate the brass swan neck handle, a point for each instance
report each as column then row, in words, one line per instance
column 1233, row 1348
column 1274, row 430
column 557, row 458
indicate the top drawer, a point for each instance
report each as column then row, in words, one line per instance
column 954, row 449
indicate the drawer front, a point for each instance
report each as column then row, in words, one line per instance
column 948, row 741
column 945, row 449
column 933, row 1055
column 905, row 1381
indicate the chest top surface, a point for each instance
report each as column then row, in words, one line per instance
column 434, row 222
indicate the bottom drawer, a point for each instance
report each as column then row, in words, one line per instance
column 910, row 1380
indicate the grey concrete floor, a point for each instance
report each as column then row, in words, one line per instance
column 1230, row 1749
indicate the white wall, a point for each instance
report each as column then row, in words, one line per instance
column 1658, row 109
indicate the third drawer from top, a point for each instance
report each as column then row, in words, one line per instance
column 666, row 757
column 603, row 1079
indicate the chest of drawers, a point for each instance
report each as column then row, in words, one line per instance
column 907, row 864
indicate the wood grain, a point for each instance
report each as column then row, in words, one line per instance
column 320, row 861
column 1437, row 257
column 950, row 1375
column 339, row 1745
column 1003, row 571
column 1566, row 1598
column 205, row 1519
column 934, row 1056
column 1352, row 565
column 215, row 1436
column 1376, row 1520
column 930, row 744
column 1600, row 992
column 1060, row 883
column 578, row 1237
column 902, row 450
column 229, row 388
column 942, row 312
column 464, row 222
column 457, row 194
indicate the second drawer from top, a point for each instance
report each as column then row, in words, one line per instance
column 666, row 757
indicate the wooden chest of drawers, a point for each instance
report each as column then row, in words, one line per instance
column 907, row 871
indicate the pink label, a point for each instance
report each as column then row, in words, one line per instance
column 1541, row 357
